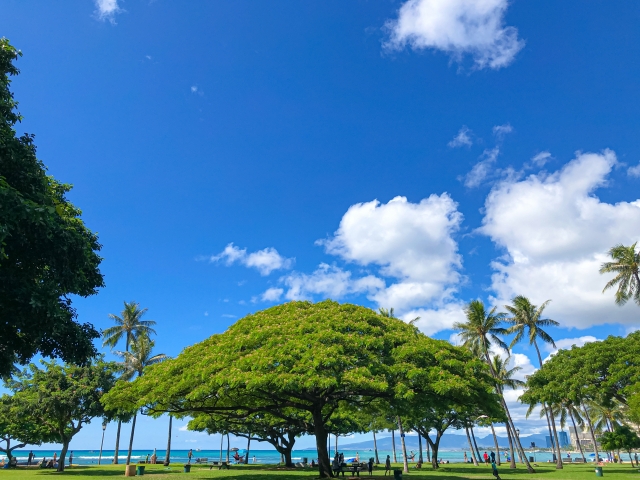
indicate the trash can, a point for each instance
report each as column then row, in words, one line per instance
column 531, row 459
column 140, row 470
column 599, row 472
column 397, row 475
column 187, row 468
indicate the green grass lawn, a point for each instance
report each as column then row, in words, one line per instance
column 263, row 472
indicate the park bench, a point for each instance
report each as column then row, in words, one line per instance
column 202, row 460
column 355, row 468
column 578, row 460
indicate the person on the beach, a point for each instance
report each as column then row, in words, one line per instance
column 55, row 457
column 486, row 458
column 493, row 456
column 357, row 457
column 636, row 457
column 494, row 470
column 254, row 459
column 466, row 459
column 387, row 465
column 335, row 465
column 30, row 458
column 71, row 458
column 190, row 454
column 154, row 457
column 370, row 466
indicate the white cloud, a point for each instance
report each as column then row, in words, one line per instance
column 501, row 130
column 328, row 281
column 194, row 89
column 634, row 171
column 461, row 139
column 482, row 170
column 540, row 159
column 410, row 242
column 459, row 28
column 437, row 319
column 272, row 295
column 556, row 233
column 107, row 10
column 265, row 261
column 567, row 343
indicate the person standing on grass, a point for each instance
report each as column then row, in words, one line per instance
column 493, row 456
column 494, row 470
column 190, row 454
column 31, row 458
column 466, row 459
column 486, row 458
column 387, row 465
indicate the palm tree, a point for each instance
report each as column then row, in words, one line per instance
column 129, row 325
column 564, row 409
column 133, row 363
column 478, row 332
column 526, row 319
column 627, row 279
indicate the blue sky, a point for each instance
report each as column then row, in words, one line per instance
column 414, row 155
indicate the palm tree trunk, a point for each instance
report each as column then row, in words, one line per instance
column 495, row 442
column 221, row 442
column 405, row 463
column 336, row 444
column 473, row 455
column 167, row 458
column 393, row 444
column 473, row 437
column 228, row 447
column 551, row 419
column 575, row 429
column 512, row 453
column 375, row 447
column 117, row 451
column 593, row 435
column 246, row 457
column 420, row 459
column 133, row 431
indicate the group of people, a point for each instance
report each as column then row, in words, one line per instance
column 489, row 459
column 338, row 464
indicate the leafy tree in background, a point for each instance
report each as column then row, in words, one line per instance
column 622, row 438
column 46, row 252
column 526, row 319
column 61, row 399
column 18, row 428
column 128, row 325
column 133, row 364
column 625, row 265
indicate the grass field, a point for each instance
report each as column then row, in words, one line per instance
column 262, row 472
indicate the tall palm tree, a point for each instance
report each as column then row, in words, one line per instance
column 133, row 364
column 128, row 325
column 564, row 409
column 625, row 265
column 526, row 319
column 478, row 333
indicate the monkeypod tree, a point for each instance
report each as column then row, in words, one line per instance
column 18, row 428
column 622, row 438
column 314, row 358
column 61, row 399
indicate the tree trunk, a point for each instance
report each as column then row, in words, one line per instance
column 375, row 448
column 435, row 447
column 405, row 463
column 167, row 459
column 473, row 455
column 512, row 460
column 336, row 450
column 575, row 429
column 495, row 442
column 428, row 451
column 393, row 444
column 221, row 443
column 133, row 430
column 593, row 435
column 117, row 451
column 228, row 447
column 420, row 459
column 63, row 455
column 555, row 436
column 473, row 437
column 246, row 457
column 324, row 464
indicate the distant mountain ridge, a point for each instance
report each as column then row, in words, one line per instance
column 449, row 441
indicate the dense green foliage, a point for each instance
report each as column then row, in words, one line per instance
column 46, row 252
column 622, row 438
column 18, row 427
column 61, row 399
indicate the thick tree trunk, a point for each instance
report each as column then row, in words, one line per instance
column 117, row 450
column 512, row 459
column 228, row 450
column 167, row 458
column 473, row 455
column 405, row 462
column 393, row 445
column 495, row 442
column 324, row 464
column 575, row 429
column 473, row 437
column 420, row 459
column 375, row 448
column 63, row 455
column 435, row 447
column 133, row 431
column 428, row 451
column 246, row 457
column 593, row 435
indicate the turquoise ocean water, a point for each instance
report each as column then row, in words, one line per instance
column 90, row 457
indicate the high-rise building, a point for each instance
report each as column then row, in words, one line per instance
column 563, row 439
column 550, row 442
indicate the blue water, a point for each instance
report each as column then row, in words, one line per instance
column 90, row 457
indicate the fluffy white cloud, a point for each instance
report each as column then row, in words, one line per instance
column 461, row 139
column 107, row 9
column 272, row 294
column 328, row 281
column 634, row 171
column 540, row 159
column 409, row 242
column 265, row 261
column 556, row 233
column 437, row 319
column 482, row 170
column 457, row 27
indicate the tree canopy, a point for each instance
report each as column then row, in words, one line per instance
column 46, row 252
column 313, row 358
column 18, row 428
